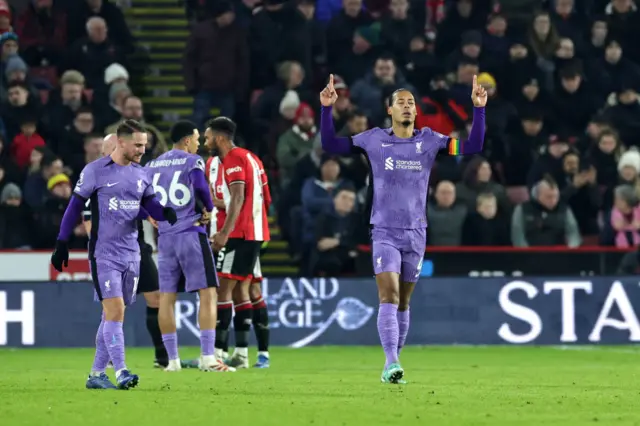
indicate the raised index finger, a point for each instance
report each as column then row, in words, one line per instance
column 475, row 81
column 331, row 82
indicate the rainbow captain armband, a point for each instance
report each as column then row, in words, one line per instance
column 455, row 147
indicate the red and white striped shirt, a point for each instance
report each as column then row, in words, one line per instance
column 241, row 165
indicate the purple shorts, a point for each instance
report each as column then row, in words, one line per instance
column 398, row 250
column 115, row 278
column 185, row 262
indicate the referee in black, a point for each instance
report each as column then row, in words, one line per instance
column 148, row 282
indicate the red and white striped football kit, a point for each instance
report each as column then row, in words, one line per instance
column 239, row 259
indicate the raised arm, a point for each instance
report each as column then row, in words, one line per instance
column 475, row 142
column 331, row 143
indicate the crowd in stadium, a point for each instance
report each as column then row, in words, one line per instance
column 560, row 165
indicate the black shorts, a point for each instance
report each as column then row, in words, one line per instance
column 237, row 259
column 148, row 273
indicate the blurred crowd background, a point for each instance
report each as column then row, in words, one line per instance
column 560, row 164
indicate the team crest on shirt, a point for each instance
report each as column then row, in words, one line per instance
column 419, row 147
column 200, row 164
column 140, row 188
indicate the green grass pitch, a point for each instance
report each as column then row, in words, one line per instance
column 334, row 386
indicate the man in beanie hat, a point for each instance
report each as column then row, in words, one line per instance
column 295, row 142
column 15, row 225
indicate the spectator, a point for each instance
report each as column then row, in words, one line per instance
column 624, row 114
column 93, row 54
column 367, row 93
column 83, row 11
column 612, row 67
column 265, row 110
column 421, row 65
column 550, row 161
column 15, row 223
column 316, row 34
column 464, row 16
column 335, row 233
column 544, row 220
column 445, row 216
column 573, row 102
column 543, row 37
column 500, row 112
column 216, row 64
column 625, row 217
column 597, row 38
column 43, row 34
column 9, row 172
column 25, row 142
column 483, row 226
column 272, row 42
column 494, row 40
column 604, row 156
column 623, row 18
column 477, row 180
column 295, row 142
column 74, row 135
column 580, row 191
column 288, row 107
column 5, row 18
column 341, row 31
column 8, row 48
column 118, row 94
column 470, row 48
column 317, row 196
column 461, row 88
column 628, row 174
column 18, row 106
column 566, row 20
column 64, row 104
column 343, row 106
column 15, row 70
column 49, row 216
column 366, row 48
column 35, row 188
column 398, row 30
column 354, row 167
column 91, row 151
column 307, row 167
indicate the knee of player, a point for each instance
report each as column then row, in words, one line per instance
column 391, row 297
column 208, row 296
column 403, row 304
column 113, row 309
column 255, row 292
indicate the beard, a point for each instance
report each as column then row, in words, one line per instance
column 135, row 158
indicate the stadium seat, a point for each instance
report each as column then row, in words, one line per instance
column 518, row 194
column 48, row 74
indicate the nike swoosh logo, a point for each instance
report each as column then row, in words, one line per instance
column 109, row 185
column 387, row 144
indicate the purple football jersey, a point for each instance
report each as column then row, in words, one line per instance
column 400, row 170
column 116, row 193
column 171, row 180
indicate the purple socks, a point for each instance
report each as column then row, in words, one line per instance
column 170, row 341
column 207, row 340
column 403, row 328
column 114, row 341
column 388, row 331
column 101, row 359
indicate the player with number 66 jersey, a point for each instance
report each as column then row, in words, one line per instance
column 184, row 254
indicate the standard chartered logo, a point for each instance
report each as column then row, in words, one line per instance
column 391, row 164
column 115, row 204
column 388, row 163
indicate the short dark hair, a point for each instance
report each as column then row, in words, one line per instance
column 20, row 84
column 181, row 130
column 129, row 127
column 350, row 115
column 84, row 109
column 347, row 187
column 393, row 96
column 223, row 125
